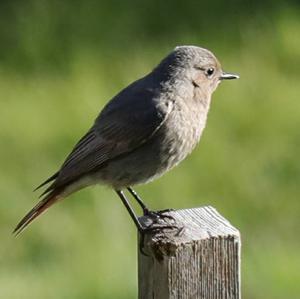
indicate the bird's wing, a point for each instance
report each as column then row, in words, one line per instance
column 125, row 123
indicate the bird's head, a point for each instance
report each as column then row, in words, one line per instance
column 197, row 66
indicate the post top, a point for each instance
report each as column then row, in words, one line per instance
column 194, row 224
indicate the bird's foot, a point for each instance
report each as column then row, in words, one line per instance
column 159, row 215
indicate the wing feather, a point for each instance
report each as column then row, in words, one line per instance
column 123, row 125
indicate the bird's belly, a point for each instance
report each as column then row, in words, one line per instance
column 170, row 145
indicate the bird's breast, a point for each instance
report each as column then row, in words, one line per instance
column 182, row 131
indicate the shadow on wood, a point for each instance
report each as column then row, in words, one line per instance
column 200, row 260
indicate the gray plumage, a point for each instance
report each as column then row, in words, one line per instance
column 145, row 130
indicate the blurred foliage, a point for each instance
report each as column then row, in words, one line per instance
column 61, row 61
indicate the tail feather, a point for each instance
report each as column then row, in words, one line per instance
column 37, row 210
column 52, row 178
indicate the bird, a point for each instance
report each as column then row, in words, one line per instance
column 147, row 129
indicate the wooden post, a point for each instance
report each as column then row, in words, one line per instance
column 199, row 261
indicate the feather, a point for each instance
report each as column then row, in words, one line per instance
column 37, row 210
column 52, row 178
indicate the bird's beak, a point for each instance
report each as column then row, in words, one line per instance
column 227, row 76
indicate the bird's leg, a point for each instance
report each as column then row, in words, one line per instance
column 139, row 201
column 142, row 230
column 146, row 211
column 130, row 211
column 155, row 215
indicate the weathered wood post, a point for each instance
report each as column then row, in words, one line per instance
column 199, row 261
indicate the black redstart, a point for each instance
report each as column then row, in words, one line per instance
column 144, row 131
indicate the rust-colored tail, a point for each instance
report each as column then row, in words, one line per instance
column 43, row 205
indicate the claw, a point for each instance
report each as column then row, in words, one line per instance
column 156, row 215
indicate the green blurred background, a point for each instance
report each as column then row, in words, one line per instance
column 61, row 61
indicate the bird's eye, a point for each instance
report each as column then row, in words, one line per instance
column 210, row 71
